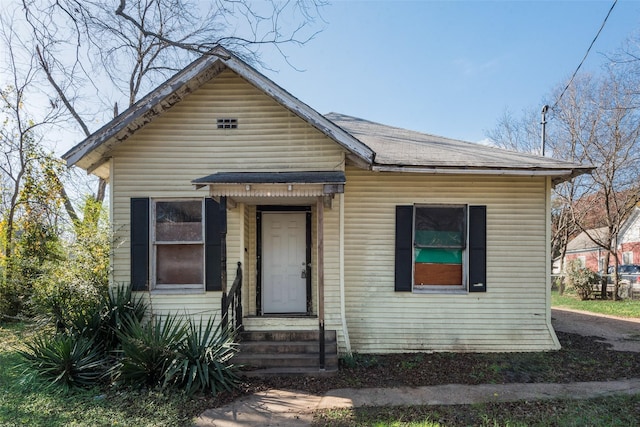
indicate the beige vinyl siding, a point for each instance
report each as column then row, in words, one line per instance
column 161, row 159
column 332, row 316
column 249, row 304
column 511, row 315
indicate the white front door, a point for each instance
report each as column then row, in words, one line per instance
column 284, row 244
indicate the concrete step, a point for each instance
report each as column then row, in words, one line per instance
column 283, row 360
column 269, row 353
column 287, row 336
column 280, row 347
column 279, row 372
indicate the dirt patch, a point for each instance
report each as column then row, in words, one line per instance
column 623, row 334
column 580, row 359
column 590, row 355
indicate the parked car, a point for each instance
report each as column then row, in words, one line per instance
column 628, row 273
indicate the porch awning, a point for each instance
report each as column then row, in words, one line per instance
column 273, row 184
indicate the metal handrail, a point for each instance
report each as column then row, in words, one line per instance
column 233, row 299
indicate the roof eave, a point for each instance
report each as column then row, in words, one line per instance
column 559, row 174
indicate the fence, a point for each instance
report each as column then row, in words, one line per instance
column 628, row 285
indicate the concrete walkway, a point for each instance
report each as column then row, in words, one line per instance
column 288, row 408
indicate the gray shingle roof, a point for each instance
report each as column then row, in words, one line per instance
column 368, row 145
column 582, row 242
column 405, row 148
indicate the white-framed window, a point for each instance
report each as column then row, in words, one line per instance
column 440, row 247
column 177, row 240
column 582, row 261
column 627, row 257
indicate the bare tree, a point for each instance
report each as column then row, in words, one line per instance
column 517, row 133
column 598, row 124
column 135, row 44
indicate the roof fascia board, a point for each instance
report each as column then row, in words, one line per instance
column 475, row 171
column 301, row 109
column 557, row 175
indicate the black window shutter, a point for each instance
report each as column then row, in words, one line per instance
column 215, row 232
column 404, row 248
column 477, row 249
column 139, row 244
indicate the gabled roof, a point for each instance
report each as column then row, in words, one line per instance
column 583, row 243
column 633, row 217
column 93, row 152
column 369, row 145
column 406, row 150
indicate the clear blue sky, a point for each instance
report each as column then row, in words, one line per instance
column 448, row 68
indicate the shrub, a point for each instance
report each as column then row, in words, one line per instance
column 118, row 309
column 581, row 279
column 68, row 361
column 115, row 339
column 203, row 362
column 83, row 349
column 148, row 349
column 358, row 360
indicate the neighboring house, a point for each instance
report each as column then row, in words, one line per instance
column 398, row 240
column 629, row 239
column 592, row 256
column 583, row 249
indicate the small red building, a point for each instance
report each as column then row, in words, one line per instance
column 592, row 256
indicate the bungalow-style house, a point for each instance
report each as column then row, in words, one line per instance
column 385, row 239
column 592, row 256
column 583, row 249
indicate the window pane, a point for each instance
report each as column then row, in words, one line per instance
column 440, row 227
column 179, row 264
column 437, row 274
column 179, row 221
column 437, row 255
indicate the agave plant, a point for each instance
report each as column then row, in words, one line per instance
column 66, row 360
column 102, row 320
column 148, row 348
column 120, row 307
column 204, row 357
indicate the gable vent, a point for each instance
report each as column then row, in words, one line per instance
column 227, row 123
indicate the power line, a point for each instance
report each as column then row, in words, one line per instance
column 585, row 55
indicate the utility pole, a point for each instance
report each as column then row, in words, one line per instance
column 544, row 127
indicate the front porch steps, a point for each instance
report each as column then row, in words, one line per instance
column 274, row 353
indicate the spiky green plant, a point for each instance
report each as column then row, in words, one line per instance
column 204, row 357
column 119, row 305
column 148, row 348
column 68, row 361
